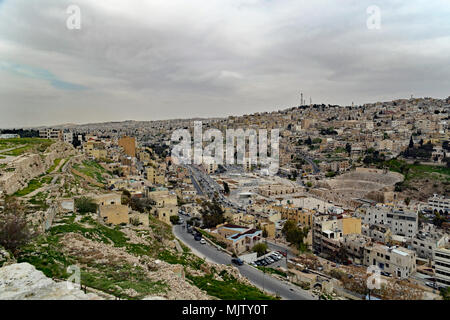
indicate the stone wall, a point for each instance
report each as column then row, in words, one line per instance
column 30, row 166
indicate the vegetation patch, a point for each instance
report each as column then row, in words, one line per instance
column 23, row 145
column 228, row 289
column 53, row 167
column 273, row 271
column 93, row 170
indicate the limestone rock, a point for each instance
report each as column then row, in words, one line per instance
column 21, row 281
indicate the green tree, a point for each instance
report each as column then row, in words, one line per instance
column 212, row 213
column 411, row 143
column 308, row 141
column 226, row 188
column 126, row 197
column 295, row 235
column 348, row 148
column 174, row 219
column 85, row 205
column 445, row 293
column 260, row 249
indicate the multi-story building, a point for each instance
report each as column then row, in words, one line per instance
column 441, row 257
column 440, row 204
column 377, row 232
column 398, row 261
column 49, row 133
column 299, row 215
column 354, row 245
column 327, row 232
column 278, row 190
column 153, row 176
column 166, row 204
column 129, row 145
column 401, row 221
column 424, row 243
column 68, row 137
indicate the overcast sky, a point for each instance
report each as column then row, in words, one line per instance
column 162, row 59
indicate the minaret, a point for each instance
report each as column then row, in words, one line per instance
column 301, row 98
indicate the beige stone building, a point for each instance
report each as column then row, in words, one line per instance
column 114, row 213
column 398, row 261
column 166, row 205
column 129, row 145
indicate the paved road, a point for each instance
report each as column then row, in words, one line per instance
column 311, row 162
column 14, row 148
column 266, row 282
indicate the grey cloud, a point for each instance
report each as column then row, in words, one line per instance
column 165, row 59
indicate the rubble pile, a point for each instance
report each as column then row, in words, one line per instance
column 91, row 252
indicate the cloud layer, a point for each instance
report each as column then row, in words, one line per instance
column 161, row 59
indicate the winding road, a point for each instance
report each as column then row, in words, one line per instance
column 264, row 281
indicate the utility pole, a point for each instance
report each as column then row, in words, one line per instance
column 264, row 278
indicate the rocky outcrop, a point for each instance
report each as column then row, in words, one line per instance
column 21, row 281
column 5, row 257
column 29, row 166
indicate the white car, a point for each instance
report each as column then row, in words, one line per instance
column 202, row 241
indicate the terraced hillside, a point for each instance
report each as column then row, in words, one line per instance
column 132, row 262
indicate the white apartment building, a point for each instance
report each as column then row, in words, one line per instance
column 400, row 221
column 398, row 261
column 424, row 243
column 442, row 266
column 68, row 137
column 439, row 204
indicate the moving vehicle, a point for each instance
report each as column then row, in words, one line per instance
column 197, row 237
column 237, row 261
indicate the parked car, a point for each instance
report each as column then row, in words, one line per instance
column 202, row 241
column 282, row 253
column 432, row 285
column 237, row 261
column 269, row 261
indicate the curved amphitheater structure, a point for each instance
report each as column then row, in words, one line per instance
column 363, row 183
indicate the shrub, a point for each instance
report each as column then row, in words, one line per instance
column 15, row 231
column 85, row 205
column 174, row 219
